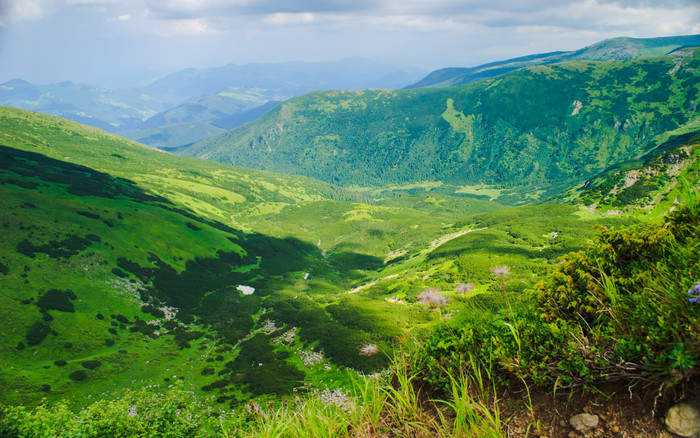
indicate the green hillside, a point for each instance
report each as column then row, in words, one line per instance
column 127, row 267
column 122, row 267
column 521, row 137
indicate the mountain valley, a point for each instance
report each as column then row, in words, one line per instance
column 534, row 230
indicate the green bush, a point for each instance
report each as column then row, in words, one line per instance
column 37, row 332
column 91, row 364
column 619, row 310
column 78, row 375
column 138, row 414
column 57, row 300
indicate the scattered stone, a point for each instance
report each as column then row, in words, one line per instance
column 683, row 418
column 584, row 422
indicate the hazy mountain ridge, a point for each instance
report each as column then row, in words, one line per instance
column 208, row 99
column 615, row 49
column 544, row 127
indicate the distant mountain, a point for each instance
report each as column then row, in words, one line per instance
column 197, row 119
column 615, row 49
column 544, row 127
column 107, row 109
column 192, row 104
column 281, row 80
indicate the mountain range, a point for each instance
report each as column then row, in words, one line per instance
column 186, row 106
column 528, row 134
column 615, row 49
column 341, row 220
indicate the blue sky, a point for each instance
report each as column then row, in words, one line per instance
column 108, row 42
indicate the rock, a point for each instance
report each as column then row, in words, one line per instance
column 584, row 422
column 683, row 418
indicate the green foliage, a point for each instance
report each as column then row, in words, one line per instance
column 91, row 364
column 55, row 299
column 615, row 311
column 37, row 332
column 136, row 414
column 78, row 375
column 540, row 129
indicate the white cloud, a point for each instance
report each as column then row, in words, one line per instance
column 184, row 27
column 29, row 10
column 290, row 18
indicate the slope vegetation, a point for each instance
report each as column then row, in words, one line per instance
column 123, row 266
column 543, row 128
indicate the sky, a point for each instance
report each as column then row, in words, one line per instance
column 116, row 42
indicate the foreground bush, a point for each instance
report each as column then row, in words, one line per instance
column 624, row 309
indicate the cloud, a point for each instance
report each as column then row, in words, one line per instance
column 289, row 18
column 28, row 10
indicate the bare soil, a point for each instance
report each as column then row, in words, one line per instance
column 624, row 410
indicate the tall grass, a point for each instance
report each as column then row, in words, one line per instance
column 391, row 404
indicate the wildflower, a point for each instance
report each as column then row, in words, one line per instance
column 433, row 298
column 694, row 291
column 463, row 288
column 502, row 271
column 369, row 350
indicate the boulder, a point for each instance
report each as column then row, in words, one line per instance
column 584, row 422
column 683, row 418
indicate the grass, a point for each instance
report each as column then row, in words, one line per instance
column 374, row 406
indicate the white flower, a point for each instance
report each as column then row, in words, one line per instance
column 369, row 350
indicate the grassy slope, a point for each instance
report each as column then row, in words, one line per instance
column 145, row 224
column 544, row 128
column 159, row 235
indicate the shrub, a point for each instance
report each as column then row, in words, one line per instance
column 37, row 332
column 78, row 375
column 122, row 319
column 60, row 363
column 619, row 310
column 91, row 364
column 55, row 299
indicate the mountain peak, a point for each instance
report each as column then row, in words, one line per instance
column 17, row 82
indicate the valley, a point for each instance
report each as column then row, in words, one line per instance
column 498, row 232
